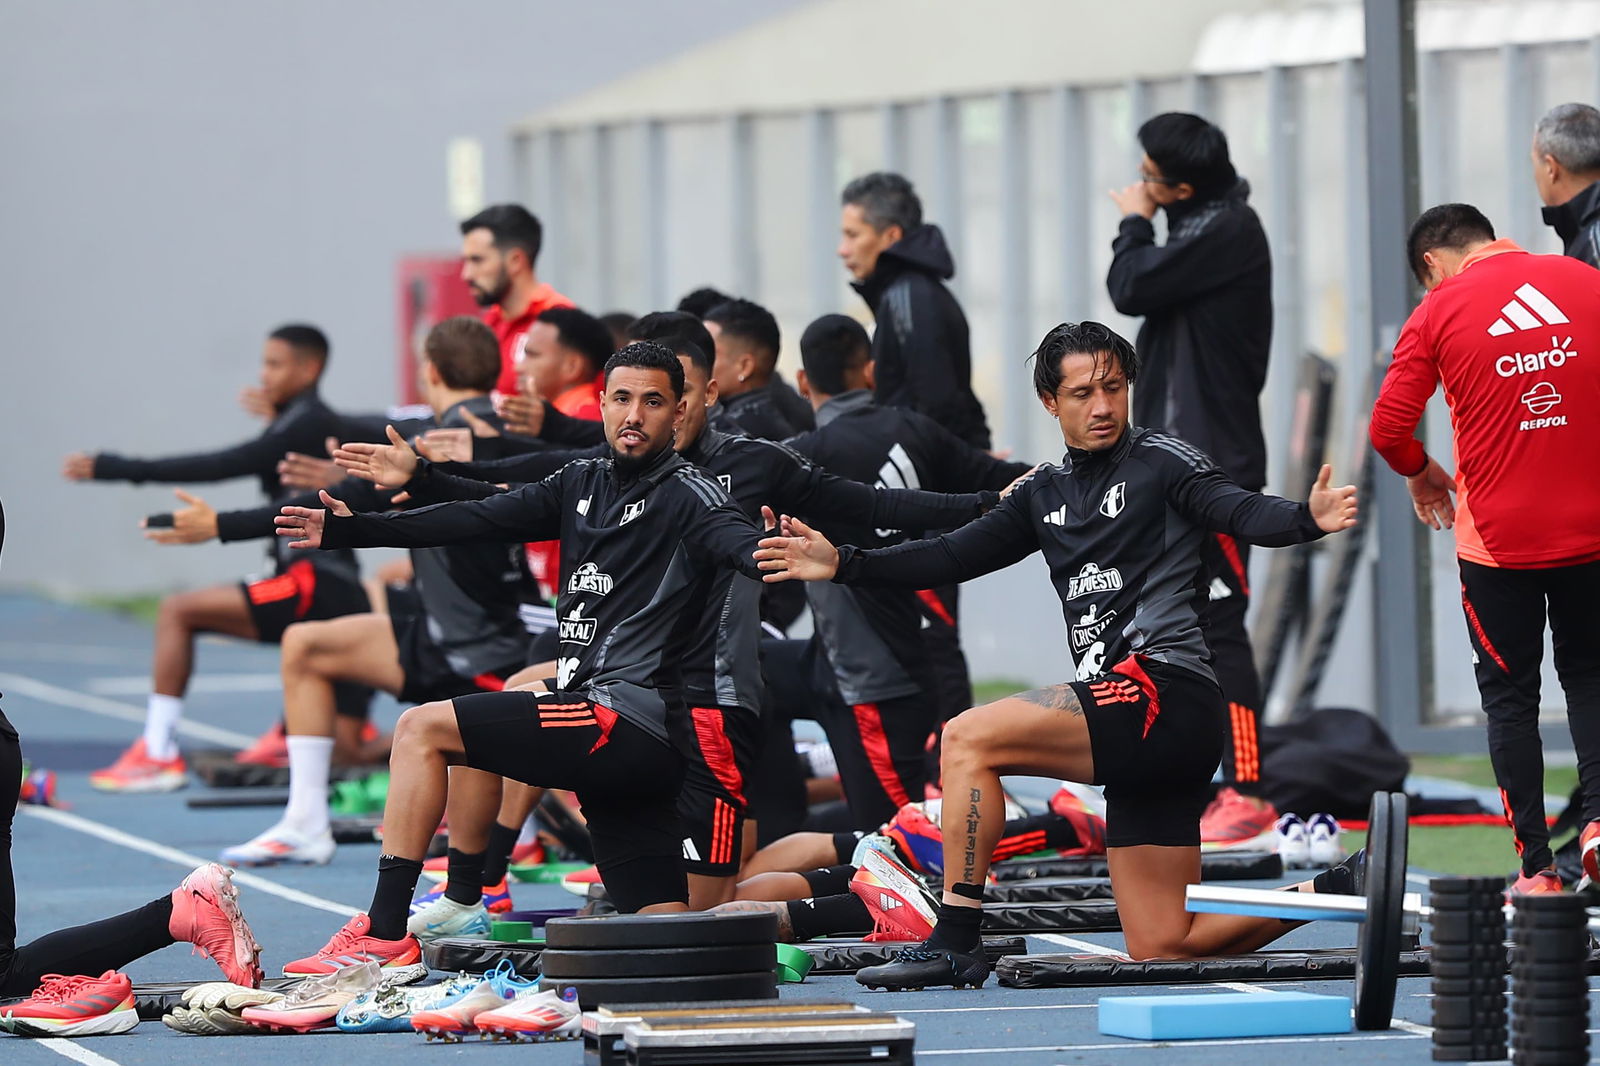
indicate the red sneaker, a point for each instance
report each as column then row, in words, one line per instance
column 1589, row 846
column 529, row 854
column 1539, row 883
column 1235, row 822
column 205, row 912
column 270, row 749
column 74, row 1006
column 1089, row 823
column 578, row 883
column 902, row 907
column 917, row 840
column 351, row 946
column 136, row 771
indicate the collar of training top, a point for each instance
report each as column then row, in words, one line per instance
column 1083, row 463
column 1568, row 218
column 843, row 404
column 665, row 462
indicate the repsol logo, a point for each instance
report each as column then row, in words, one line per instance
column 1543, row 423
column 1518, row 363
column 1093, row 579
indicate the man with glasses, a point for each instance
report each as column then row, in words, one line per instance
column 1206, row 298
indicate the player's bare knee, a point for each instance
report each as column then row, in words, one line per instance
column 967, row 739
column 426, row 726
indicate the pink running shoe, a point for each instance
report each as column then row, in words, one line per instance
column 1089, row 823
column 74, row 1006
column 902, row 907
column 351, row 946
column 205, row 913
column 1236, row 822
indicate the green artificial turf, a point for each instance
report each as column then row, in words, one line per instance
column 141, row 606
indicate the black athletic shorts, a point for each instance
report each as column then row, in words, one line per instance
column 301, row 593
column 718, row 754
column 626, row 780
column 428, row 674
column 1156, row 732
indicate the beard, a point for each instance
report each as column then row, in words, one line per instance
column 629, row 467
column 488, row 297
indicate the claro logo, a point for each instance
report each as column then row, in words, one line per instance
column 1519, row 363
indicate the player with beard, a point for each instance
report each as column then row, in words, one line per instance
column 499, row 246
column 651, row 536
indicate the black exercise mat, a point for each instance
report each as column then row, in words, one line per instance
column 475, row 955
column 1081, row 916
column 1214, row 866
column 155, row 999
column 218, row 768
column 1077, row 971
column 356, row 830
column 848, row 956
column 1048, row 890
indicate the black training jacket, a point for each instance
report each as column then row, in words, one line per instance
column 1577, row 223
column 302, row 425
column 720, row 666
column 872, row 637
column 1206, row 298
column 641, row 556
column 471, row 594
column 1121, row 532
column 921, row 345
column 756, row 414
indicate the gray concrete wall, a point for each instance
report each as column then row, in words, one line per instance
column 176, row 178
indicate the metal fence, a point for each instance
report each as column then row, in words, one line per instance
column 641, row 212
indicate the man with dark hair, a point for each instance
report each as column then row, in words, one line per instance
column 1206, row 298
column 460, row 632
column 747, row 340
column 645, row 537
column 618, row 323
column 562, row 358
column 899, row 265
column 865, row 673
column 701, row 300
column 1120, row 525
column 1510, row 336
column 922, row 356
column 292, row 362
column 499, row 246
column 721, row 674
column 1566, row 171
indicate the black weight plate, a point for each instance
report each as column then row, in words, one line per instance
column 1562, row 943
column 1557, row 1057
column 1574, row 970
column 1570, row 1001
column 1550, row 1040
column 1378, row 943
column 593, row 993
column 1450, row 1013
column 658, row 962
column 1468, row 986
column 1456, row 1037
column 1444, row 928
column 1493, row 952
column 633, row 931
column 1454, row 968
column 1465, row 886
column 1476, row 1053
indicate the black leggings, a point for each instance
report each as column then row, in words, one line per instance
column 86, row 949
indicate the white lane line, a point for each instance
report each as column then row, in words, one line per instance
column 1079, row 945
column 18, row 685
column 183, row 858
column 1249, row 1041
column 1411, row 1027
column 76, row 1052
column 139, row 684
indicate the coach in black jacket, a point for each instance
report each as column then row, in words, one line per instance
column 900, row 264
column 1206, row 298
column 1566, row 171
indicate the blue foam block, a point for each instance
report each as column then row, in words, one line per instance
column 1188, row 1017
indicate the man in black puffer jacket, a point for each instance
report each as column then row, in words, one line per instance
column 1206, row 298
column 1566, row 171
column 922, row 358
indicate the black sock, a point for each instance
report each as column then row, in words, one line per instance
column 465, row 884
column 109, row 944
column 828, row 916
column 498, row 857
column 957, row 928
column 829, row 881
column 391, row 898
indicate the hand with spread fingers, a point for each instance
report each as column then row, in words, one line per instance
column 385, row 465
column 194, row 524
column 306, row 524
column 1333, row 508
column 446, row 445
column 524, row 415
column 79, row 466
column 799, row 553
column 297, row 471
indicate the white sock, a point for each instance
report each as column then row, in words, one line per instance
column 161, row 717
column 309, row 759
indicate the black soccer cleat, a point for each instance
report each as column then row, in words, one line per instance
column 1348, row 878
column 925, row 966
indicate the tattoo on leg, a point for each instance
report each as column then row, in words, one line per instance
column 969, row 857
column 1055, row 697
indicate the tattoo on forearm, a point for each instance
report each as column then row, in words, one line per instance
column 1055, row 697
column 969, row 856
